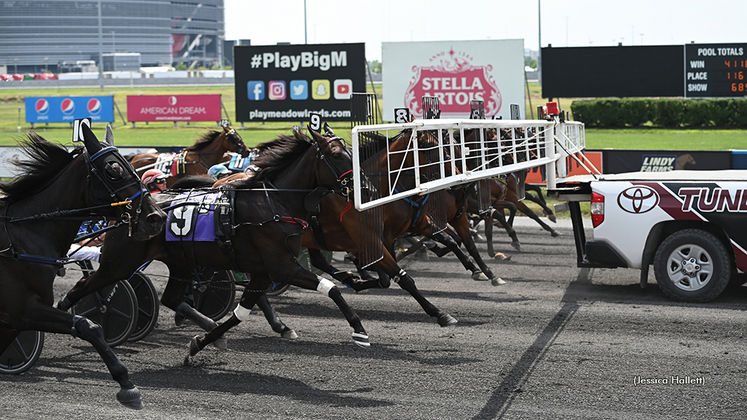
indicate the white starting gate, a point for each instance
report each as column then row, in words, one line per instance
column 460, row 151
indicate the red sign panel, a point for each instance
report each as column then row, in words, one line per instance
column 574, row 168
column 173, row 108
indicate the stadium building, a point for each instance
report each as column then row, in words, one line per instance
column 67, row 35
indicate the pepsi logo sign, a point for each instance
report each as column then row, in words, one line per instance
column 94, row 106
column 67, row 106
column 42, row 106
column 638, row 199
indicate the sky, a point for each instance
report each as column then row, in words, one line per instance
column 572, row 23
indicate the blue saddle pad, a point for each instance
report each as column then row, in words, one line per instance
column 193, row 221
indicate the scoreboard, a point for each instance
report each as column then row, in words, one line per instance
column 689, row 70
column 715, row 70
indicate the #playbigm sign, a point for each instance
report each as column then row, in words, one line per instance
column 456, row 72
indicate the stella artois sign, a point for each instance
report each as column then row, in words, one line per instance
column 455, row 81
column 456, row 72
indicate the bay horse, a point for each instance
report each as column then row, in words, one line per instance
column 42, row 209
column 267, row 222
column 209, row 150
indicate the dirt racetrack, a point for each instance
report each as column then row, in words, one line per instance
column 555, row 342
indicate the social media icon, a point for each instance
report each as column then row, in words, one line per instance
column 255, row 90
column 343, row 88
column 276, row 90
column 320, row 89
column 299, row 90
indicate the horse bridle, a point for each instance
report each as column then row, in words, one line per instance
column 345, row 179
column 104, row 165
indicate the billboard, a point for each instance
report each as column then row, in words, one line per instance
column 456, row 72
column 57, row 109
column 289, row 82
column 173, row 108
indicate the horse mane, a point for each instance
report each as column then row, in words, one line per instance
column 46, row 160
column 275, row 156
column 204, row 141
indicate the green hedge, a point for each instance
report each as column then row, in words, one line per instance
column 611, row 112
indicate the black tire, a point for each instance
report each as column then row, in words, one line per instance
column 148, row 306
column 215, row 293
column 114, row 307
column 692, row 265
column 275, row 289
column 22, row 353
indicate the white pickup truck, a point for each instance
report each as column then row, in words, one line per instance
column 689, row 224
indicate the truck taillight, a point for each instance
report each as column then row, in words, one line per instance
column 597, row 209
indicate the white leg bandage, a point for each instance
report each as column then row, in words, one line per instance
column 324, row 286
column 241, row 312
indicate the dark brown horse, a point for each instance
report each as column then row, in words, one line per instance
column 209, row 150
column 42, row 210
column 262, row 235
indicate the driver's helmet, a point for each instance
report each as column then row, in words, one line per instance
column 154, row 180
column 218, row 170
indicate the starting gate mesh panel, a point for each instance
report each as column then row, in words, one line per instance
column 458, row 151
column 370, row 222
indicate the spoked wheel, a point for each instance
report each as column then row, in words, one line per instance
column 22, row 353
column 214, row 293
column 114, row 307
column 147, row 306
column 277, row 289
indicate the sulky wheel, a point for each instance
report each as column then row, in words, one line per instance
column 692, row 265
column 147, row 303
column 22, row 353
column 214, row 293
column 114, row 307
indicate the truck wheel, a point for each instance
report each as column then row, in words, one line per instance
column 692, row 265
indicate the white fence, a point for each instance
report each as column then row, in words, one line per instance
column 432, row 155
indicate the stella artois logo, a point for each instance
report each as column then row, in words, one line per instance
column 455, row 81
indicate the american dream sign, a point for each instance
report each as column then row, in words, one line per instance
column 456, row 72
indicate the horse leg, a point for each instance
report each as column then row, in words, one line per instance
column 406, row 282
column 33, row 314
column 173, row 298
column 453, row 246
column 499, row 217
column 346, row 277
column 251, row 295
column 461, row 227
column 539, row 199
column 272, row 318
column 526, row 210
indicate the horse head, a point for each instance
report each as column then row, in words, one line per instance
column 115, row 183
column 234, row 142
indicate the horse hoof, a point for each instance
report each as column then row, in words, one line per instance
column 552, row 218
column 516, row 246
column 289, row 333
column 194, row 345
column 130, row 398
column 497, row 281
column 502, row 257
column 479, row 276
column 446, row 320
column 179, row 320
column 554, row 233
column 361, row 339
column 221, row 343
column 384, row 282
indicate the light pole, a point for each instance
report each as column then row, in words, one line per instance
column 15, row 63
column 46, row 61
column 305, row 31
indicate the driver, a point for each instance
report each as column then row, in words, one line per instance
column 154, row 180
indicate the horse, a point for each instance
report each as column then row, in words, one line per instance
column 264, row 221
column 209, row 150
column 42, row 209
